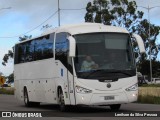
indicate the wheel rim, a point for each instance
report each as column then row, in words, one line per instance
column 25, row 98
column 61, row 101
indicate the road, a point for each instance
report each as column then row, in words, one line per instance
column 9, row 103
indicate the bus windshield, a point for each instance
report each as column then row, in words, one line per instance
column 104, row 56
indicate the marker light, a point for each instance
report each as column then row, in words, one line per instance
column 82, row 90
column 82, row 98
column 133, row 95
column 132, row 88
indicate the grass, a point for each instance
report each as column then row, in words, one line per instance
column 6, row 91
column 148, row 99
column 151, row 85
column 149, row 94
column 149, row 91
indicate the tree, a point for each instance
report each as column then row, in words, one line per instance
column 123, row 13
column 25, row 37
column 144, row 68
column 142, row 30
column 7, row 57
column 10, row 78
column 10, row 53
column 45, row 27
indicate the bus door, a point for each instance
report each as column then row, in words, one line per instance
column 64, row 67
column 70, row 77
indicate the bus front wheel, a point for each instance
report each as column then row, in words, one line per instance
column 62, row 105
column 115, row 107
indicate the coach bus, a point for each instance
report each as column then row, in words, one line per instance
column 81, row 64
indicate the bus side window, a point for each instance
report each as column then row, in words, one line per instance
column 62, row 47
column 16, row 57
column 29, row 52
column 36, row 49
column 21, row 53
column 44, row 47
column 61, row 50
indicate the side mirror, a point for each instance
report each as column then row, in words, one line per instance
column 72, row 46
column 140, row 43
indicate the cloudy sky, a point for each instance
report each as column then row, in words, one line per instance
column 25, row 15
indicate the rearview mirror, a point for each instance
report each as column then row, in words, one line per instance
column 140, row 43
column 72, row 46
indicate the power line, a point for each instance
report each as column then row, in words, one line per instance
column 34, row 27
column 43, row 22
column 74, row 9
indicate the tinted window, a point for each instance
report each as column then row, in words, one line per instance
column 37, row 49
column 43, row 48
column 61, row 47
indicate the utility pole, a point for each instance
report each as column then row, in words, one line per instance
column 150, row 58
column 59, row 16
column 149, row 34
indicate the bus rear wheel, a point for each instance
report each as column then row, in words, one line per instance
column 115, row 107
column 27, row 102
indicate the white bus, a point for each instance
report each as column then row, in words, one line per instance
column 82, row 64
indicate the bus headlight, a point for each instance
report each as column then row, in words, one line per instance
column 133, row 87
column 82, row 90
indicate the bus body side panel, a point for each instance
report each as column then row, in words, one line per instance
column 17, row 91
column 39, row 79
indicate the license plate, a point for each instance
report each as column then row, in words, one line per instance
column 108, row 97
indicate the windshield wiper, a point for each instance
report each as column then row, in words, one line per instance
column 125, row 72
column 94, row 71
column 120, row 71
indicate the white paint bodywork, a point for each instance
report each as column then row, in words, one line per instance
column 43, row 77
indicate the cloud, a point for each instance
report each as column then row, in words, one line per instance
column 27, row 14
column 36, row 11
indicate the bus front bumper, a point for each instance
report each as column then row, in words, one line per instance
column 106, row 98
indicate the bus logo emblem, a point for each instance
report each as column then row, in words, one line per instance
column 108, row 85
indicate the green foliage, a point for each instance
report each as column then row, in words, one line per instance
column 148, row 99
column 45, row 27
column 143, row 30
column 10, row 78
column 10, row 53
column 144, row 68
column 151, row 85
column 25, row 37
column 7, row 56
column 113, row 12
column 6, row 91
column 124, row 13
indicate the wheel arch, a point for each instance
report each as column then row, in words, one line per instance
column 24, row 88
column 58, row 90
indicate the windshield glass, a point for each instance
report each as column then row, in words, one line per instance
column 104, row 56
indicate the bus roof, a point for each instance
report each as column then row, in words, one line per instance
column 88, row 28
column 82, row 28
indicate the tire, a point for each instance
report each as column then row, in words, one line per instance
column 27, row 102
column 115, row 107
column 62, row 106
